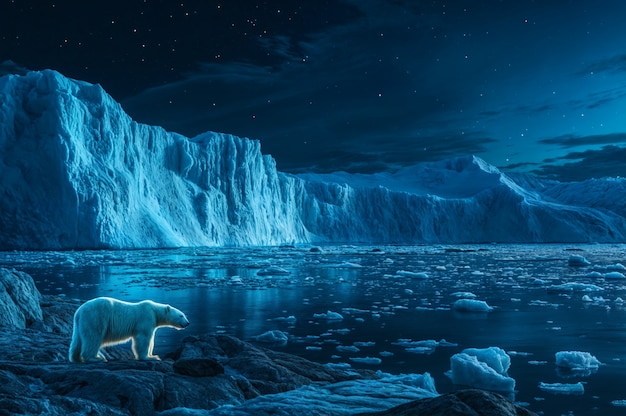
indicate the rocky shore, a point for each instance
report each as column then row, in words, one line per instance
column 206, row 375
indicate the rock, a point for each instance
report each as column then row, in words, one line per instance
column 19, row 299
column 206, row 372
column 265, row 370
column 198, row 367
column 470, row 402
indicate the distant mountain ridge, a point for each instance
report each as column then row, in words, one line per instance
column 77, row 173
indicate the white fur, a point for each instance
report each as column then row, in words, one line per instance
column 107, row 321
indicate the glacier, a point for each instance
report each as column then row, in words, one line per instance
column 76, row 172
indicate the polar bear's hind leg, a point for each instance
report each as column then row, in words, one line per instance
column 75, row 348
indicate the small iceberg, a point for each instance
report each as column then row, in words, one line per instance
column 471, row 305
column 563, row 388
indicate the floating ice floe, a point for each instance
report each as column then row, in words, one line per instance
column 519, row 353
column 614, row 275
column 329, row 315
column 577, row 261
column 348, row 348
column 289, row 319
column 563, row 388
column 273, row 271
column 366, row 360
column 619, row 403
column 594, row 275
column 427, row 346
column 464, row 295
column 576, row 360
column 348, row 265
column 415, row 275
column 482, row 368
column 471, row 305
column 573, row 287
column 617, row 266
column 273, row 337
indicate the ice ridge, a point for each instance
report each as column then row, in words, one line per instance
column 76, row 172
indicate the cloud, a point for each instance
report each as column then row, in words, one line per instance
column 606, row 162
column 613, row 65
column 380, row 154
column 356, row 96
column 572, row 140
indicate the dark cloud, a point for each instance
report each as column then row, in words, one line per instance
column 128, row 46
column 606, row 162
column 599, row 98
column 349, row 90
column 519, row 166
column 379, row 154
column 572, row 140
column 615, row 65
column 358, row 85
column 534, row 109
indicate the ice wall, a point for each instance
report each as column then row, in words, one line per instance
column 76, row 172
column 480, row 204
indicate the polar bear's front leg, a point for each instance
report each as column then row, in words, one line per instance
column 142, row 347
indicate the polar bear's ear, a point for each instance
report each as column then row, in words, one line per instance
column 167, row 309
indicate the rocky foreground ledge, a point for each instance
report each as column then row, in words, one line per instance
column 207, row 375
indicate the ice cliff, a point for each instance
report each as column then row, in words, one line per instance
column 77, row 172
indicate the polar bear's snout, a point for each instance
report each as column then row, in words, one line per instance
column 182, row 322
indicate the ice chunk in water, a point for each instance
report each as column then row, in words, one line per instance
column 330, row 315
column 576, row 360
column 273, row 271
column 471, row 305
column 562, row 388
column 464, row 295
column 415, row 275
column 495, row 357
column 366, row 360
column 273, row 337
column 617, row 266
column 482, row 368
column 578, row 261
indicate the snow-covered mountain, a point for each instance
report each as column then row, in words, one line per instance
column 76, row 172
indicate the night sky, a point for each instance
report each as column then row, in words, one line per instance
column 356, row 85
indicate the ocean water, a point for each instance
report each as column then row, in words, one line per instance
column 388, row 297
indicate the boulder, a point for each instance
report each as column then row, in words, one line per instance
column 198, row 367
column 204, row 373
column 19, row 299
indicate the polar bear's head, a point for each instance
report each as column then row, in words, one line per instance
column 175, row 318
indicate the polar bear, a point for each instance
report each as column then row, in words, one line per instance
column 107, row 321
